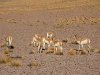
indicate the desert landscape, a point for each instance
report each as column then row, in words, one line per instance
column 22, row 19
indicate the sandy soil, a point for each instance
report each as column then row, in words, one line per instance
column 23, row 25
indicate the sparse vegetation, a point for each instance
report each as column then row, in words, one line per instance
column 6, row 51
column 11, row 21
column 22, row 19
column 49, row 51
column 15, row 63
column 63, row 22
column 16, row 57
column 5, row 60
column 58, row 53
column 34, row 64
column 83, row 52
column 32, row 52
column 72, row 52
column 97, row 51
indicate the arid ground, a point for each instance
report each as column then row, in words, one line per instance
column 22, row 19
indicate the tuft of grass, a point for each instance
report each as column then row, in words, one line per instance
column 5, row 60
column 16, row 57
column 49, row 51
column 6, row 51
column 97, row 51
column 15, row 64
column 34, row 64
column 83, row 52
column 64, row 22
column 72, row 52
column 58, row 53
column 32, row 52
column 11, row 21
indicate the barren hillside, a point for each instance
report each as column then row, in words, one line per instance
column 30, row 5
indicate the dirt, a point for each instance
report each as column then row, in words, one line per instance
column 22, row 26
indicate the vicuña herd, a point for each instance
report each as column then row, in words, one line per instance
column 43, row 43
column 48, row 42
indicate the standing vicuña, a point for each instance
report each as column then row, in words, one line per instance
column 82, row 41
column 47, row 41
column 58, row 49
column 37, row 42
column 58, row 46
column 7, row 42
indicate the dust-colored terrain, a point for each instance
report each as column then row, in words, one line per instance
column 22, row 19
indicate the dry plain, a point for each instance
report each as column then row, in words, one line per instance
column 22, row 19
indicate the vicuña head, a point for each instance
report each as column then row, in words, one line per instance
column 50, row 34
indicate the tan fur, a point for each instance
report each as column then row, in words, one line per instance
column 37, row 42
column 36, row 39
column 7, row 42
column 50, row 34
column 82, row 41
column 58, row 47
column 47, row 41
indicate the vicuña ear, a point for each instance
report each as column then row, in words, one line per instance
column 75, row 35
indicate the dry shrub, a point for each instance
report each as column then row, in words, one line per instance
column 58, row 53
column 50, row 50
column 83, row 52
column 15, row 63
column 32, row 52
column 63, row 22
column 92, row 50
column 34, row 64
column 97, row 51
column 72, row 52
column 6, row 51
column 16, row 57
column 5, row 60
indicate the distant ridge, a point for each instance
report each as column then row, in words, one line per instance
column 30, row 5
